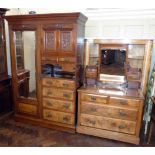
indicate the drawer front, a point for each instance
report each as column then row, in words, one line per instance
column 109, row 111
column 28, row 109
column 68, row 67
column 59, row 105
column 94, row 98
column 67, row 59
column 90, row 74
column 58, row 93
column 68, row 84
column 49, row 82
column 124, row 102
column 108, row 124
column 58, row 116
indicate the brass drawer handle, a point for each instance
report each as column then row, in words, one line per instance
column 66, row 118
column 123, row 102
column 65, row 85
column 49, row 93
column 66, row 95
column 121, row 113
column 49, row 103
column 66, row 59
column 93, row 98
column 92, row 122
column 49, row 115
column 66, row 106
column 49, row 82
column 93, row 109
column 121, row 126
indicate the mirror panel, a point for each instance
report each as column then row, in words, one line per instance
column 25, row 63
column 112, row 62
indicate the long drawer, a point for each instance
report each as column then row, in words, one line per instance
column 115, row 101
column 27, row 108
column 53, row 82
column 67, row 106
column 108, row 123
column 58, row 93
column 109, row 111
column 94, row 98
column 56, row 116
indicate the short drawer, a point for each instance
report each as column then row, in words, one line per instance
column 59, row 105
column 56, row 116
column 68, row 67
column 68, row 84
column 124, row 102
column 108, row 123
column 28, row 109
column 94, row 98
column 109, row 111
column 51, row 82
column 58, row 93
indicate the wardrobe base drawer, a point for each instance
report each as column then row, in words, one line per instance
column 27, row 108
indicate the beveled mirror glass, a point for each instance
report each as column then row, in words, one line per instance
column 25, row 63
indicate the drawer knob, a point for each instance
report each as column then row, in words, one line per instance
column 93, row 98
column 121, row 126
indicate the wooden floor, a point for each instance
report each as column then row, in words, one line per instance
column 19, row 134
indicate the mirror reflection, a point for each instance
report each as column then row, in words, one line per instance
column 25, row 63
column 113, row 61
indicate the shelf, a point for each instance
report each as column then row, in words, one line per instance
column 93, row 56
column 136, row 58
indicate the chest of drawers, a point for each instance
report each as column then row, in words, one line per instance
column 110, row 116
column 58, row 101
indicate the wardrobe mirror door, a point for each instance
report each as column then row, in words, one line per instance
column 25, row 52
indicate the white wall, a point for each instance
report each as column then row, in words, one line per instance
column 106, row 23
column 29, row 57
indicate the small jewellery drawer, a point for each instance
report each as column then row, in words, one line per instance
column 27, row 108
column 94, row 98
column 108, row 123
column 58, row 93
column 109, row 111
column 51, row 82
column 124, row 102
column 67, row 106
column 58, row 116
